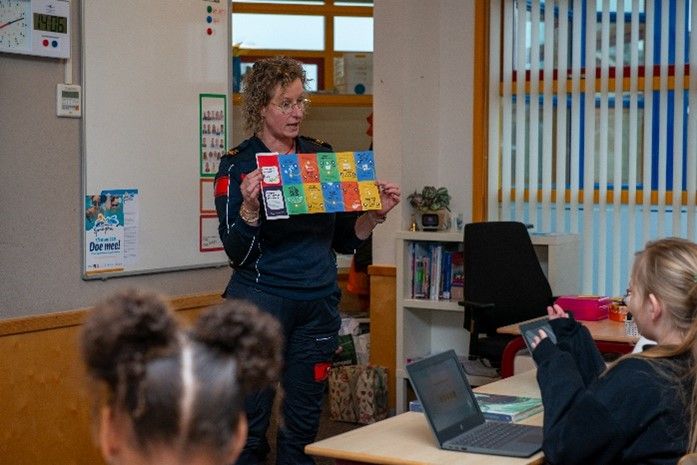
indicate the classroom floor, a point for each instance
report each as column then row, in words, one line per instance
column 327, row 428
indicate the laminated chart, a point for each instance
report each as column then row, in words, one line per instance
column 323, row 182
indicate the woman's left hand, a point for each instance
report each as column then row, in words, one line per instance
column 389, row 196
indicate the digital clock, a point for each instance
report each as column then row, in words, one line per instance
column 50, row 23
column 35, row 27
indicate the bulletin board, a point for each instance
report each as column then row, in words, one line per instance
column 156, row 79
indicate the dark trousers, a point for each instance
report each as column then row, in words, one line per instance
column 310, row 329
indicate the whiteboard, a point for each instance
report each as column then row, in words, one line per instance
column 145, row 66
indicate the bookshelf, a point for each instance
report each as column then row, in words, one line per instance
column 423, row 325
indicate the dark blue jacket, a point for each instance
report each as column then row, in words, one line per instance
column 292, row 258
column 634, row 413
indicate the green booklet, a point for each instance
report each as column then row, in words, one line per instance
column 507, row 408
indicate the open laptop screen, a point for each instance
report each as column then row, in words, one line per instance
column 444, row 394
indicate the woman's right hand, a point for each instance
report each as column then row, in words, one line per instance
column 556, row 312
column 250, row 187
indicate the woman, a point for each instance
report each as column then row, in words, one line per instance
column 642, row 408
column 167, row 396
column 286, row 266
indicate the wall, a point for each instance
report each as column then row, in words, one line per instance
column 422, row 80
column 423, row 91
column 40, row 192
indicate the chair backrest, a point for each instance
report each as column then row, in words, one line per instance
column 501, row 268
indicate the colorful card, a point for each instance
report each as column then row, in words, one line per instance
column 365, row 166
column 347, row 166
column 333, row 200
column 370, row 195
column 352, row 196
column 308, row 167
column 295, row 199
column 324, row 182
column 290, row 169
column 314, row 198
column 270, row 170
column 328, row 171
column 274, row 204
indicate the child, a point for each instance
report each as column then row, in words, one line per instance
column 170, row 396
column 641, row 409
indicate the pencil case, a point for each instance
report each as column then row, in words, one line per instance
column 585, row 307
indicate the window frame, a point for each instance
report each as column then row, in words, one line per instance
column 328, row 10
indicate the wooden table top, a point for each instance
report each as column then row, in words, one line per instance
column 407, row 438
column 601, row 330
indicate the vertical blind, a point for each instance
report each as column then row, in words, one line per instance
column 589, row 128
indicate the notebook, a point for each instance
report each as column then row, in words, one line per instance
column 454, row 415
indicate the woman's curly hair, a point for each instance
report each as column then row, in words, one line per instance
column 260, row 83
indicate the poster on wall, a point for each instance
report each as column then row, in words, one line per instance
column 131, row 221
column 104, row 251
column 212, row 132
column 111, row 231
column 209, row 238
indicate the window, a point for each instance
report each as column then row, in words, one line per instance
column 616, row 164
column 319, row 33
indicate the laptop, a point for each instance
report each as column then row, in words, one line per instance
column 454, row 415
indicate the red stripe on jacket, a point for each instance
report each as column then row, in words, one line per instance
column 221, row 186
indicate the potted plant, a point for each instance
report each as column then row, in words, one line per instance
column 432, row 208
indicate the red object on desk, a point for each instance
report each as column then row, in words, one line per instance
column 585, row 307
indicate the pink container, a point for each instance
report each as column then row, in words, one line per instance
column 585, row 307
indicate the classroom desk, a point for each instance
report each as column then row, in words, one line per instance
column 407, row 438
column 609, row 336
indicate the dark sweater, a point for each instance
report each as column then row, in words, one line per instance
column 630, row 414
column 293, row 258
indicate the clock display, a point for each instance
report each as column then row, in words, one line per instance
column 50, row 23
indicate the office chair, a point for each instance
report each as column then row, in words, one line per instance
column 504, row 284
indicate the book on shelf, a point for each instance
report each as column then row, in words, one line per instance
column 457, row 275
column 507, row 408
column 432, row 271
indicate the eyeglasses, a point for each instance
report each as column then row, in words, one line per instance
column 627, row 295
column 287, row 106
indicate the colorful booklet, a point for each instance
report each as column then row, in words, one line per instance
column 295, row 184
column 507, row 408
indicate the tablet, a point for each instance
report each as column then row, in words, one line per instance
column 530, row 329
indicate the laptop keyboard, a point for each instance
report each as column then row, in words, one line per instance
column 490, row 435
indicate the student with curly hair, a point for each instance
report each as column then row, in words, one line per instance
column 169, row 396
column 642, row 409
